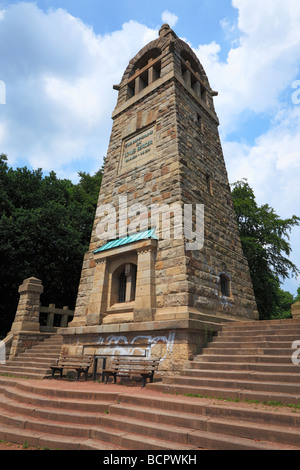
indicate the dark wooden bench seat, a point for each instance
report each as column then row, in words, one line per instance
column 79, row 363
column 132, row 366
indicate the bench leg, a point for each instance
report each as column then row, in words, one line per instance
column 54, row 369
column 108, row 374
column 144, row 377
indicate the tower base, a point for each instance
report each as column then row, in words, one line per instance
column 174, row 341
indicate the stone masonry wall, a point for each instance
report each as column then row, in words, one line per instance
column 205, row 181
column 186, row 165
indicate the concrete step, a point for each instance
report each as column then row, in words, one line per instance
column 243, row 375
column 47, row 420
column 86, row 404
column 233, row 426
column 251, row 361
column 60, row 415
column 245, row 358
column 36, row 361
column 54, row 442
column 263, row 324
column 190, row 408
column 248, row 362
column 248, row 351
column 242, row 366
column 227, row 393
column 220, row 343
column 230, row 383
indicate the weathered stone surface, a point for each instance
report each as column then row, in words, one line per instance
column 296, row 310
column 165, row 150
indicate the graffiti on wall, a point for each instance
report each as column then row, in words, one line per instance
column 140, row 345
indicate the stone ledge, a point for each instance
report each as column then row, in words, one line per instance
column 179, row 324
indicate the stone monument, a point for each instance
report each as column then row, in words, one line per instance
column 165, row 265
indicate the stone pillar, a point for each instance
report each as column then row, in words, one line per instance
column 152, row 75
column 64, row 318
column 129, row 283
column 50, row 316
column 99, row 294
column 145, row 297
column 296, row 310
column 187, row 76
column 28, row 311
column 26, row 326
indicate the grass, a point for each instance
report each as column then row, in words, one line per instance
column 275, row 404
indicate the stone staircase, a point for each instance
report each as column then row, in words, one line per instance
column 249, row 361
column 34, row 363
column 91, row 416
column 246, row 361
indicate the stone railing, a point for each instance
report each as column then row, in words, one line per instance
column 32, row 322
column 52, row 317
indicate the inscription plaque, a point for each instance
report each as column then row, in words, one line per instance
column 138, row 149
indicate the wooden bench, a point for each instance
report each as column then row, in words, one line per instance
column 130, row 366
column 79, row 363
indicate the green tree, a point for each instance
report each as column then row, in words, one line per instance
column 265, row 241
column 297, row 298
column 45, row 227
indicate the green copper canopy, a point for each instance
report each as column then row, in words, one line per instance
column 125, row 241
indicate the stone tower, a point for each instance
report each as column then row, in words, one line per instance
column 146, row 289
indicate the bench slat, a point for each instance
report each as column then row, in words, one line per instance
column 132, row 366
column 79, row 363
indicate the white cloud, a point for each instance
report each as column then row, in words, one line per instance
column 59, row 76
column 59, row 98
column 259, row 78
column 254, row 78
column 169, row 18
column 263, row 63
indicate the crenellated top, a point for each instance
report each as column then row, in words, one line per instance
column 165, row 58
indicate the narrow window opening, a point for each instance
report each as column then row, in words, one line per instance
column 122, row 287
column 131, row 89
column 143, row 80
column 127, row 284
column 200, row 122
column 209, row 184
column 203, row 93
column 157, row 69
column 225, row 285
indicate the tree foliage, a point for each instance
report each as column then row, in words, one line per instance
column 45, row 227
column 265, row 241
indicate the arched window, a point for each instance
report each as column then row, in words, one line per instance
column 127, row 283
column 146, row 70
column 122, row 287
column 192, row 75
column 225, row 285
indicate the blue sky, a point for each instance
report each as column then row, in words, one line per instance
column 60, row 58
